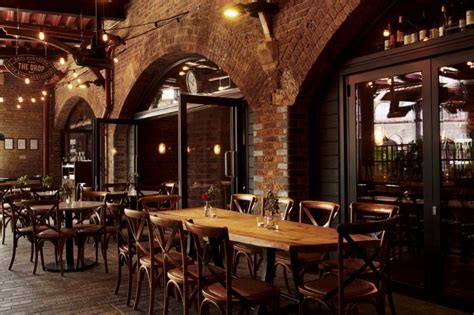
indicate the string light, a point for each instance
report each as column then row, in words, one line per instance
column 41, row 35
column 116, row 59
column 20, row 99
column 78, row 80
column 82, row 86
column 44, row 92
column 18, row 106
column 69, row 85
column 62, row 61
column 42, row 98
column 33, row 100
column 105, row 37
column 74, row 74
column 1, row 99
column 182, row 73
column 185, row 68
column 27, row 80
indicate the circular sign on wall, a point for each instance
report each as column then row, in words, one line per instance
column 33, row 67
column 191, row 82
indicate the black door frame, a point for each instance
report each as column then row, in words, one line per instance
column 97, row 122
column 238, row 138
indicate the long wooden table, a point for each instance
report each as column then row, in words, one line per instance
column 243, row 228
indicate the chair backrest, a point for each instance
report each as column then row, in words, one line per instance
column 5, row 188
column 319, row 213
column 89, row 195
column 115, row 187
column 45, row 193
column 139, row 228
column 170, row 188
column 115, row 203
column 159, row 202
column 244, row 203
column 367, row 211
column 44, row 213
column 286, row 206
column 15, row 203
column 368, row 254
column 208, row 242
column 164, row 232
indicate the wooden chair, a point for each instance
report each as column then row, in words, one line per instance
column 47, row 225
column 319, row 213
column 19, row 222
column 125, row 252
column 159, row 202
column 347, row 288
column 176, row 266
column 245, row 203
column 169, row 188
column 45, row 193
column 5, row 189
column 225, row 291
column 360, row 212
column 115, row 187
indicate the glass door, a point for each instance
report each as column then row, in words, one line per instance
column 454, row 180
column 388, row 141
column 211, row 148
column 115, row 157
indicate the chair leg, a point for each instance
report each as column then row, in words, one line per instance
column 42, row 256
column 139, row 288
column 151, row 303
column 31, row 252
column 390, row 300
column 15, row 243
column 130, row 277
column 119, row 274
column 3, row 230
column 166, row 299
column 36, row 245
column 103, row 247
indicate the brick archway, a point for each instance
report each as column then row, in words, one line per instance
column 67, row 108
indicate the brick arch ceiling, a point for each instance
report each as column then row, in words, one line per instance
column 67, row 108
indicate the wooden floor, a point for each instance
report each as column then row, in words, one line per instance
column 91, row 291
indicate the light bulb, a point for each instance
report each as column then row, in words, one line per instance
column 33, row 100
column 42, row 98
column 62, row 61
column 27, row 80
column 41, row 35
column 232, row 13
column 44, row 92
column 82, row 86
column 74, row 74
column 78, row 80
column 69, row 85
column 105, row 37
column 116, row 59
column 182, row 73
column 185, row 68
column 386, row 33
column 18, row 106
column 20, row 99
column 1, row 99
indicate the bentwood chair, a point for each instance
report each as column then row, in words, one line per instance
column 179, row 272
column 226, row 291
column 159, row 202
column 115, row 187
column 347, row 288
column 318, row 213
column 47, row 225
column 19, row 222
column 361, row 212
column 5, row 189
column 245, row 203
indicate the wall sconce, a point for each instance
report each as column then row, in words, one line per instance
column 217, row 149
column 188, row 149
column 162, row 148
column 267, row 51
column 378, row 135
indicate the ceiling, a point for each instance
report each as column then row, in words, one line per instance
column 66, row 24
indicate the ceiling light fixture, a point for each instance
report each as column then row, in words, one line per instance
column 252, row 8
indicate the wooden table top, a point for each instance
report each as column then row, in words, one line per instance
column 75, row 205
column 243, row 228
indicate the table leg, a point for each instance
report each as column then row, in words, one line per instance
column 69, row 242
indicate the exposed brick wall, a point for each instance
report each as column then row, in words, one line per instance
column 23, row 123
column 312, row 35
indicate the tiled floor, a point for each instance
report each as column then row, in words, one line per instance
column 91, row 291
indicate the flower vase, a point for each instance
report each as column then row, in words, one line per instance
column 207, row 209
column 269, row 222
column 69, row 200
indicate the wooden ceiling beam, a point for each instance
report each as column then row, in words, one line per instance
column 113, row 10
column 49, row 30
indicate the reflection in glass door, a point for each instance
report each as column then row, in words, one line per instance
column 456, row 116
column 211, row 144
column 388, row 112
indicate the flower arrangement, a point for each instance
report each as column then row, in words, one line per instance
column 66, row 190
column 271, row 203
column 22, row 181
column 46, row 181
column 210, row 194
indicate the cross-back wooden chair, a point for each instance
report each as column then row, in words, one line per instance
column 148, row 261
column 319, row 213
column 44, row 193
column 19, row 222
column 245, row 203
column 361, row 212
column 5, row 189
column 347, row 288
column 175, row 264
column 47, row 225
column 115, row 187
column 159, row 202
column 226, row 291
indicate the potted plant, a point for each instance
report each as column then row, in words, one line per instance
column 46, row 181
column 65, row 192
column 22, row 181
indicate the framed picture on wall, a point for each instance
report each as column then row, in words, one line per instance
column 33, row 144
column 8, row 144
column 21, row 144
